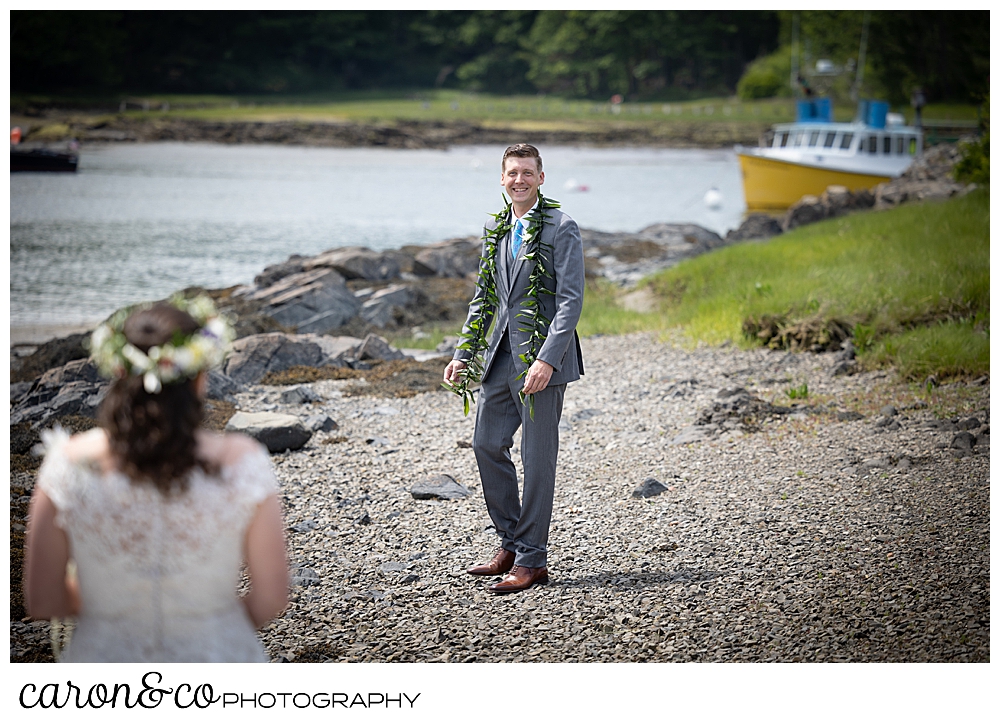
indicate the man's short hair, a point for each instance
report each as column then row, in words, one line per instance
column 521, row 150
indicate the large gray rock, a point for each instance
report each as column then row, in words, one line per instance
column 755, row 226
column 808, row 209
column 254, row 356
column 452, row 258
column 894, row 193
column 439, row 487
column 314, row 301
column 375, row 347
column 624, row 258
column 649, row 488
column 357, row 262
column 273, row 273
column 277, row 432
column 220, row 386
column 379, row 308
column 73, row 388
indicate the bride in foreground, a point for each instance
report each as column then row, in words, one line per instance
column 157, row 514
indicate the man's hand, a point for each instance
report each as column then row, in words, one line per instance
column 538, row 377
column 451, row 371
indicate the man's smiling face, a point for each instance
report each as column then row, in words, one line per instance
column 521, row 179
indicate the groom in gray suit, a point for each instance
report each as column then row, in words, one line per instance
column 523, row 524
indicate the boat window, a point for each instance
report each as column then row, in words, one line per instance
column 828, row 143
column 783, row 139
column 813, row 138
column 873, row 144
column 913, row 146
column 797, row 141
column 900, row 145
column 845, row 142
column 887, row 145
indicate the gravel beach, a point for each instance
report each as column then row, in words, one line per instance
column 853, row 527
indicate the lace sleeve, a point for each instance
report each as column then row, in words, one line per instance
column 253, row 475
column 55, row 477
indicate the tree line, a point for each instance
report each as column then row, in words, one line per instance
column 640, row 54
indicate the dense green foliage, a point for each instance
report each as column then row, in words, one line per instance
column 946, row 53
column 641, row 54
column 767, row 77
column 913, row 282
column 594, row 54
column 974, row 166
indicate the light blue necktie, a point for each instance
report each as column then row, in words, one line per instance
column 516, row 245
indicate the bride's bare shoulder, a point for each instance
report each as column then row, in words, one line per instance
column 88, row 447
column 225, row 449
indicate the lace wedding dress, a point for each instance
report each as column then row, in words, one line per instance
column 158, row 574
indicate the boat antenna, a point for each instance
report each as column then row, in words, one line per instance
column 860, row 76
column 795, row 51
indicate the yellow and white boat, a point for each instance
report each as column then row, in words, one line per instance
column 804, row 157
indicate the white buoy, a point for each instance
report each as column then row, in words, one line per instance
column 713, row 199
column 570, row 185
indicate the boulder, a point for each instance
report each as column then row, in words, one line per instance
column 439, row 487
column 808, row 209
column 356, row 262
column 893, row 193
column 273, row 273
column 220, row 386
column 73, row 388
column 650, row 488
column 314, row 301
column 375, row 347
column 299, row 394
column 254, row 356
column 77, row 398
column 320, row 423
column 755, row 226
column 836, row 199
column 452, row 258
column 18, row 390
column 963, row 440
column 378, row 310
column 277, row 432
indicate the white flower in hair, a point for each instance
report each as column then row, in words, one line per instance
column 115, row 357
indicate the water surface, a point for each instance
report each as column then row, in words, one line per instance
column 140, row 221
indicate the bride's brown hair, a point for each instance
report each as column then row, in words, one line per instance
column 152, row 436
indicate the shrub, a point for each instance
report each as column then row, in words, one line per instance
column 766, row 77
column 974, row 166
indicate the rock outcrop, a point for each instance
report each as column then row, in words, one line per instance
column 277, row 432
column 255, row 356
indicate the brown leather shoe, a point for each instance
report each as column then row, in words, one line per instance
column 521, row 578
column 502, row 561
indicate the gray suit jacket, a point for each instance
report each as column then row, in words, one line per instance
column 564, row 260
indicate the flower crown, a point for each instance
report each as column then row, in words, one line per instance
column 182, row 357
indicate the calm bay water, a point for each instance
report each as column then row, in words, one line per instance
column 138, row 222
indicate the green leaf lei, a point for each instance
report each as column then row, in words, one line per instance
column 536, row 325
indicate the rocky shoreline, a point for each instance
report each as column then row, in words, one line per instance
column 849, row 526
column 55, row 125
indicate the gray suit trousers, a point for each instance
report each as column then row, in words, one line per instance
column 523, row 526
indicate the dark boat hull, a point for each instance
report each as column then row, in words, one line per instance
column 42, row 160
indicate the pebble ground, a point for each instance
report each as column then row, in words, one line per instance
column 811, row 539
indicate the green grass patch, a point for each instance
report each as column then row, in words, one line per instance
column 445, row 105
column 915, row 278
column 945, row 350
column 429, row 339
column 603, row 314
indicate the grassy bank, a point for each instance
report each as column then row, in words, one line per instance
column 444, row 106
column 911, row 283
